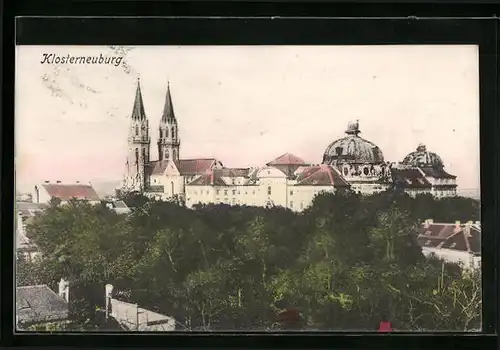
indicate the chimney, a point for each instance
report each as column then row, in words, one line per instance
column 64, row 289
column 108, row 290
column 47, row 181
column 37, row 195
column 428, row 222
column 58, row 181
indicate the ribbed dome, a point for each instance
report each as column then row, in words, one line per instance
column 423, row 158
column 352, row 149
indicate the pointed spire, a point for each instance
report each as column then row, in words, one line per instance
column 138, row 111
column 168, row 110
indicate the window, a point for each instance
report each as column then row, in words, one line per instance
column 166, row 132
column 238, row 192
column 268, row 190
column 161, row 133
column 301, row 205
column 346, row 171
column 225, row 192
column 234, row 192
column 269, row 172
column 173, row 132
column 291, row 204
column 207, row 191
column 218, row 192
column 291, row 192
column 136, row 130
column 167, row 154
column 234, row 201
column 366, row 171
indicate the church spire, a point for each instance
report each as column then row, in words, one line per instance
column 138, row 111
column 168, row 109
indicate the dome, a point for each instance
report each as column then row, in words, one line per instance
column 352, row 149
column 423, row 158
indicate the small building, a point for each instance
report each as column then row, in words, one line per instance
column 453, row 242
column 25, row 213
column 65, row 192
column 118, row 207
column 131, row 317
column 39, row 305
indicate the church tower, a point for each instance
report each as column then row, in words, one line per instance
column 138, row 146
column 168, row 141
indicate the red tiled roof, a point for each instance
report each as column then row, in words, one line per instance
column 410, row 178
column 450, row 236
column 442, row 231
column 287, row 159
column 185, row 166
column 195, row 166
column 323, row 175
column 209, row 179
column 66, row 192
column 234, row 172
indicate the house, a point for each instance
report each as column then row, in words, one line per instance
column 65, row 192
column 25, row 213
column 39, row 305
column 453, row 242
column 131, row 317
column 118, row 207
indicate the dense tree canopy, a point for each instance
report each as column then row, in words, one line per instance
column 343, row 264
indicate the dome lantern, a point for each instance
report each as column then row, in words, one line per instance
column 353, row 128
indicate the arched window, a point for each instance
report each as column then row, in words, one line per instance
column 174, row 154
column 137, row 156
column 166, row 132
column 173, row 132
column 172, row 186
column 136, row 130
column 161, row 134
column 144, row 159
column 167, row 154
column 366, row 171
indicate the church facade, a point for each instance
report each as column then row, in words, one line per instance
column 349, row 163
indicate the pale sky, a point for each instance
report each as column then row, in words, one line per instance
column 246, row 105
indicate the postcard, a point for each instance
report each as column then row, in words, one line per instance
column 247, row 188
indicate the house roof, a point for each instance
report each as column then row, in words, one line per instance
column 195, row 166
column 287, row 159
column 462, row 237
column 437, row 173
column 321, row 175
column 212, row 178
column 185, row 166
column 66, row 192
column 410, row 178
column 39, row 304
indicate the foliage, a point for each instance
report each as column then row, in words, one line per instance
column 344, row 263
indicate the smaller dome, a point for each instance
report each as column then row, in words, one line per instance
column 423, row 158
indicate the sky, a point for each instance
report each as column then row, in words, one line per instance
column 245, row 105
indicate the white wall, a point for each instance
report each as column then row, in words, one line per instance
column 465, row 259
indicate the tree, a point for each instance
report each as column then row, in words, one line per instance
column 340, row 265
